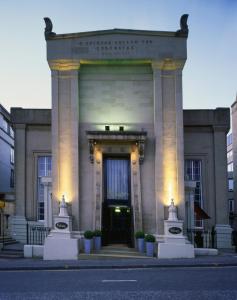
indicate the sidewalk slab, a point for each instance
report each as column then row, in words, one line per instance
column 108, row 263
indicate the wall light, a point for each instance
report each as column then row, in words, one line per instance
column 117, row 210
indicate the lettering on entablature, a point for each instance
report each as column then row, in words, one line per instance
column 110, row 47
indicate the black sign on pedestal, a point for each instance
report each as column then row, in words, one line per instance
column 61, row 225
column 175, row 230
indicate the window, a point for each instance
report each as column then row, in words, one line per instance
column 229, row 139
column 230, row 167
column 11, row 132
column 44, row 168
column 230, row 155
column 231, row 205
column 231, row 184
column 3, row 123
column 193, row 172
column 12, row 156
column 12, row 179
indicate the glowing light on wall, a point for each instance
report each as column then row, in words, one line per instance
column 65, row 179
column 134, row 156
column 98, row 155
column 170, row 187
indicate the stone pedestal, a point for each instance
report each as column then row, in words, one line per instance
column 223, row 236
column 174, row 245
column 60, row 245
column 18, row 228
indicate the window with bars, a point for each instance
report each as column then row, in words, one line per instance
column 193, row 172
column 44, row 167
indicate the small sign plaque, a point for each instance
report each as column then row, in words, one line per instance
column 175, row 230
column 61, row 225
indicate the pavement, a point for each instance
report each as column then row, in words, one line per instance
column 18, row 262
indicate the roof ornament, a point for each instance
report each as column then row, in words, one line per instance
column 48, row 33
column 183, row 31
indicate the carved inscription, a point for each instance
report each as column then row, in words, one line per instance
column 109, row 46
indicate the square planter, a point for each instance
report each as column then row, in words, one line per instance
column 150, row 249
column 97, row 243
column 141, row 245
column 87, row 246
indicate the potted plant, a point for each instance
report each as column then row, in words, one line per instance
column 140, row 241
column 97, row 239
column 88, row 236
column 150, row 240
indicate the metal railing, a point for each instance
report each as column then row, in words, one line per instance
column 202, row 238
column 36, row 234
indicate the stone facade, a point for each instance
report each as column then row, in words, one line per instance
column 117, row 78
column 7, row 199
column 233, row 174
column 199, row 143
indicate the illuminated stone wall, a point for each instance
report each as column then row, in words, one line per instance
column 116, row 94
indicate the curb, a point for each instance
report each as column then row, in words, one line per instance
column 67, row 267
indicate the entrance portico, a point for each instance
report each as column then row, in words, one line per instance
column 117, row 109
column 117, row 77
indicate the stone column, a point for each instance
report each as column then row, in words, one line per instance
column 168, row 130
column 48, row 213
column 223, row 229
column 136, row 189
column 18, row 222
column 20, row 169
column 220, row 161
column 65, row 134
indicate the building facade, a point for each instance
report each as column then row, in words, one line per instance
column 6, row 171
column 232, row 167
column 117, row 143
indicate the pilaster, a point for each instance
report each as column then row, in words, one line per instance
column 168, row 129
column 220, row 163
column 20, row 169
column 65, row 134
column 48, row 213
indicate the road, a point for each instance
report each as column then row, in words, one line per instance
column 158, row 283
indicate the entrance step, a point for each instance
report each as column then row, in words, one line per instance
column 7, row 240
column 11, row 254
column 114, row 251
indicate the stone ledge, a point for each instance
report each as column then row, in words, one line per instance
column 205, row 252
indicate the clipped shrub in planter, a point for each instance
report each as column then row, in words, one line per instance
column 150, row 241
column 139, row 235
column 97, row 239
column 88, row 236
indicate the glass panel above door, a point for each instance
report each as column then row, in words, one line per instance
column 117, row 175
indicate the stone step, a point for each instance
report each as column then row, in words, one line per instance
column 11, row 253
column 118, row 251
column 111, row 256
column 7, row 240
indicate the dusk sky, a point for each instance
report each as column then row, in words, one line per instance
column 210, row 73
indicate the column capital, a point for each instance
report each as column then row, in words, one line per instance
column 64, row 65
column 167, row 64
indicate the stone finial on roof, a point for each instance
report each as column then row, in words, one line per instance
column 183, row 31
column 48, row 28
